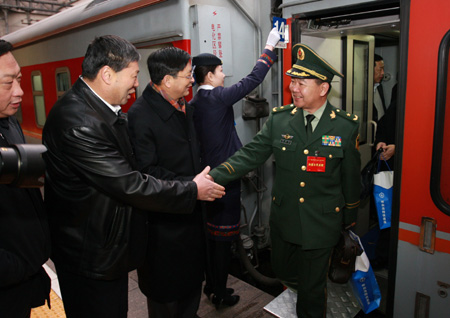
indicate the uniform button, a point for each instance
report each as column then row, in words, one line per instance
column 331, row 156
column 303, row 168
column 284, row 148
column 302, row 200
column 302, row 184
column 273, row 199
column 337, row 209
column 306, row 151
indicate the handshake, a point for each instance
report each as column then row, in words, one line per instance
column 207, row 189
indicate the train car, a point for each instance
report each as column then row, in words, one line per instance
column 413, row 36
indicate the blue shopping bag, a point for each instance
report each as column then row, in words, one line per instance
column 383, row 182
column 364, row 283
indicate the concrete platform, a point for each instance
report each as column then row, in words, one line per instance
column 251, row 304
column 254, row 303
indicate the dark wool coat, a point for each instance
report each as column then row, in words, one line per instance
column 215, row 125
column 166, row 147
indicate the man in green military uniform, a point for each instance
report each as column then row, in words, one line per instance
column 317, row 179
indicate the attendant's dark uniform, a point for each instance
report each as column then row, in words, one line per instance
column 216, row 131
column 215, row 126
column 316, row 187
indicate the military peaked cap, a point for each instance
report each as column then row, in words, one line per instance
column 206, row 59
column 310, row 65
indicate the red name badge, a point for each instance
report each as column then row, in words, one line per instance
column 315, row 164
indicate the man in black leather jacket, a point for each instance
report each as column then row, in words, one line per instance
column 24, row 233
column 93, row 194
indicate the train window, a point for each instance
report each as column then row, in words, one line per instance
column 360, row 82
column 440, row 167
column 38, row 97
column 62, row 81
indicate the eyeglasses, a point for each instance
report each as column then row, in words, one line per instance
column 189, row 77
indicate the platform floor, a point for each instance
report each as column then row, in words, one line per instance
column 341, row 302
column 251, row 304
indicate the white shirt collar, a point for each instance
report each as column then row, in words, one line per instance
column 207, row 87
column 115, row 109
column 375, row 85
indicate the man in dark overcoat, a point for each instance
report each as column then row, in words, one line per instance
column 316, row 187
column 163, row 136
column 24, row 233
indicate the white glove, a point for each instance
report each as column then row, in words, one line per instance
column 273, row 37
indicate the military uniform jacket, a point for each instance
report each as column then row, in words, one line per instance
column 308, row 208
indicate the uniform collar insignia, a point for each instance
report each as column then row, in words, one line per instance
column 333, row 114
column 287, row 136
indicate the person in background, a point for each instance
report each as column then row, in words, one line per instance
column 94, row 194
column 317, row 179
column 385, row 136
column 163, row 136
column 379, row 104
column 215, row 126
column 385, row 139
column 24, row 232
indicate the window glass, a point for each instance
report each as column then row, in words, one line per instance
column 37, row 82
column 360, row 94
column 38, row 97
column 62, row 81
column 445, row 158
column 440, row 166
column 39, row 107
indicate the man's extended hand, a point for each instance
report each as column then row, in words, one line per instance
column 207, row 190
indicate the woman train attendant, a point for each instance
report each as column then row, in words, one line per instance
column 214, row 122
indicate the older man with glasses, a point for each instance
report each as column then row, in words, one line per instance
column 163, row 135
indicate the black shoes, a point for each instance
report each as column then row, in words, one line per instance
column 227, row 301
column 207, row 291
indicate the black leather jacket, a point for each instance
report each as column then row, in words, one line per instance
column 92, row 187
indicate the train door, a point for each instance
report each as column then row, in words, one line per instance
column 358, row 67
column 358, row 60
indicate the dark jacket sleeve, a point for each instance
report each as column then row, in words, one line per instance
column 236, row 92
column 350, row 172
column 97, row 161
column 249, row 157
column 386, row 126
column 12, row 269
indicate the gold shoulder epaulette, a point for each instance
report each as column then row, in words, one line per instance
column 344, row 114
column 282, row 108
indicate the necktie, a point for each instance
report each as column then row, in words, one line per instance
column 122, row 117
column 309, row 119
